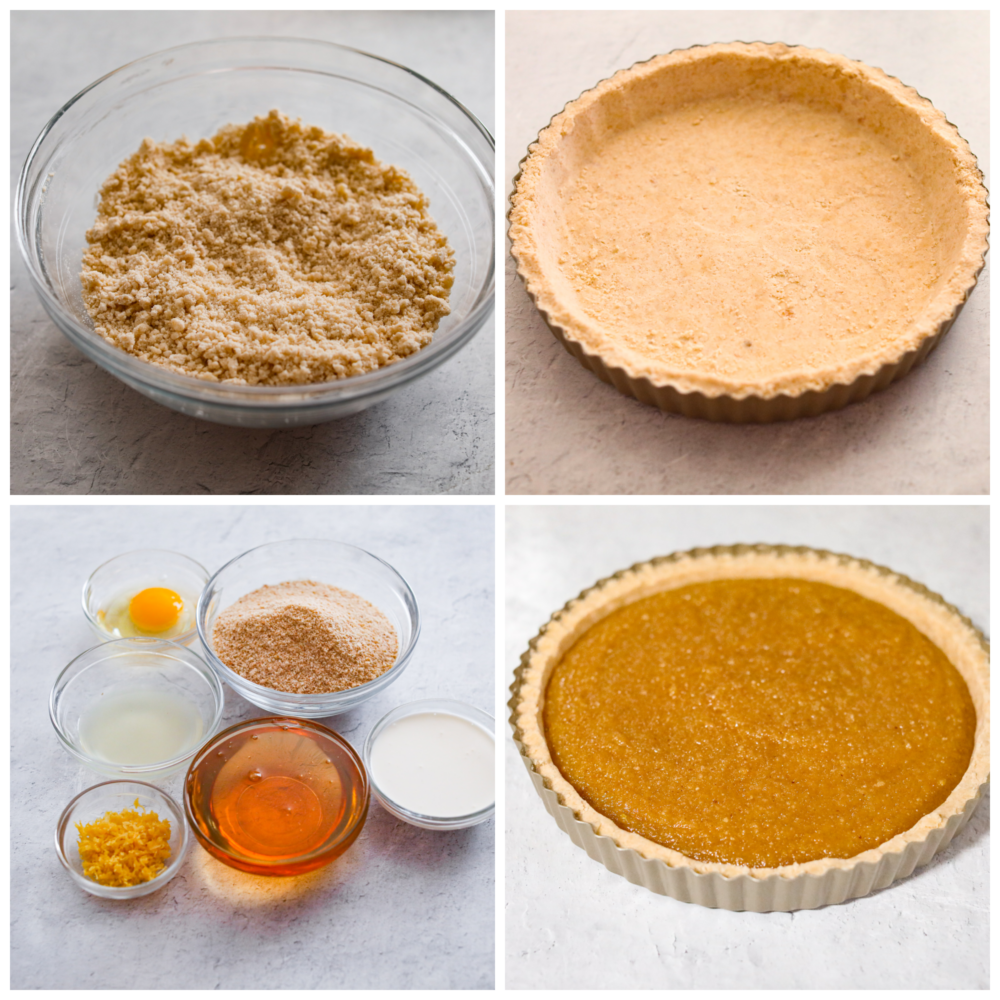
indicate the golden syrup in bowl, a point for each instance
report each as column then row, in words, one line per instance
column 277, row 796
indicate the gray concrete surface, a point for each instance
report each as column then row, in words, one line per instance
column 569, row 433
column 402, row 908
column 77, row 430
column 571, row 924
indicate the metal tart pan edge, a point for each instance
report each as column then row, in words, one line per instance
column 760, row 895
column 749, row 409
column 730, row 409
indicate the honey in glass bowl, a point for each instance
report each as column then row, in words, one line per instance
column 277, row 796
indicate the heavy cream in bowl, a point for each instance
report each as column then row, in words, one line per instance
column 431, row 763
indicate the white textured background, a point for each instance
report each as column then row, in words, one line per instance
column 402, row 908
column 570, row 923
column 76, row 430
column 569, row 433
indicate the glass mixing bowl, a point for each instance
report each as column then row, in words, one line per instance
column 194, row 90
column 276, row 796
column 130, row 674
column 335, row 563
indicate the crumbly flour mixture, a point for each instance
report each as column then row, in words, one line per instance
column 273, row 253
column 305, row 637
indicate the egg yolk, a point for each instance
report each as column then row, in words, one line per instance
column 155, row 609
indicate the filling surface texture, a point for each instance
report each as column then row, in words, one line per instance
column 759, row 722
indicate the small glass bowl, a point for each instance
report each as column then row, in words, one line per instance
column 194, row 90
column 335, row 563
column 445, row 706
column 115, row 796
column 250, row 745
column 134, row 571
column 124, row 666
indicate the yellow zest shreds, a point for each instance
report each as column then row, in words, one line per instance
column 126, row 848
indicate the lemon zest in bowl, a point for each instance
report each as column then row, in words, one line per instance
column 124, row 848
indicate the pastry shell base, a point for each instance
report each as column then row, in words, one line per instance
column 687, row 391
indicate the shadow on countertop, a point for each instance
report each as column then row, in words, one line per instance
column 77, row 430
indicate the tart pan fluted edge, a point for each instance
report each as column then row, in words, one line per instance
column 795, row 887
column 747, row 404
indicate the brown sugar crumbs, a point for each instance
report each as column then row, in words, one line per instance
column 273, row 253
column 305, row 638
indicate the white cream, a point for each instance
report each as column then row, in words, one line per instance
column 140, row 727
column 435, row 764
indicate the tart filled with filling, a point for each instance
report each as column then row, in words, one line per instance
column 758, row 710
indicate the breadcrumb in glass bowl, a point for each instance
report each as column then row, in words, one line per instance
column 319, row 560
column 196, row 89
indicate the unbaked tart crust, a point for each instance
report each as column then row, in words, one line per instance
column 751, row 713
column 749, row 223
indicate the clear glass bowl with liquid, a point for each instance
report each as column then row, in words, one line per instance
column 276, row 796
column 136, row 707
column 433, row 763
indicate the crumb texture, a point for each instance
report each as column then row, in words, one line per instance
column 305, row 638
column 273, row 253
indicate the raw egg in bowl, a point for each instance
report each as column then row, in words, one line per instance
column 148, row 592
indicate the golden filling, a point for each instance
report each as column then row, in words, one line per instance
column 759, row 722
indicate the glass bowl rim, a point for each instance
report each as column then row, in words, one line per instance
column 252, row 397
column 186, row 636
column 413, row 708
column 209, row 675
column 239, row 683
column 250, row 724
column 124, row 891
